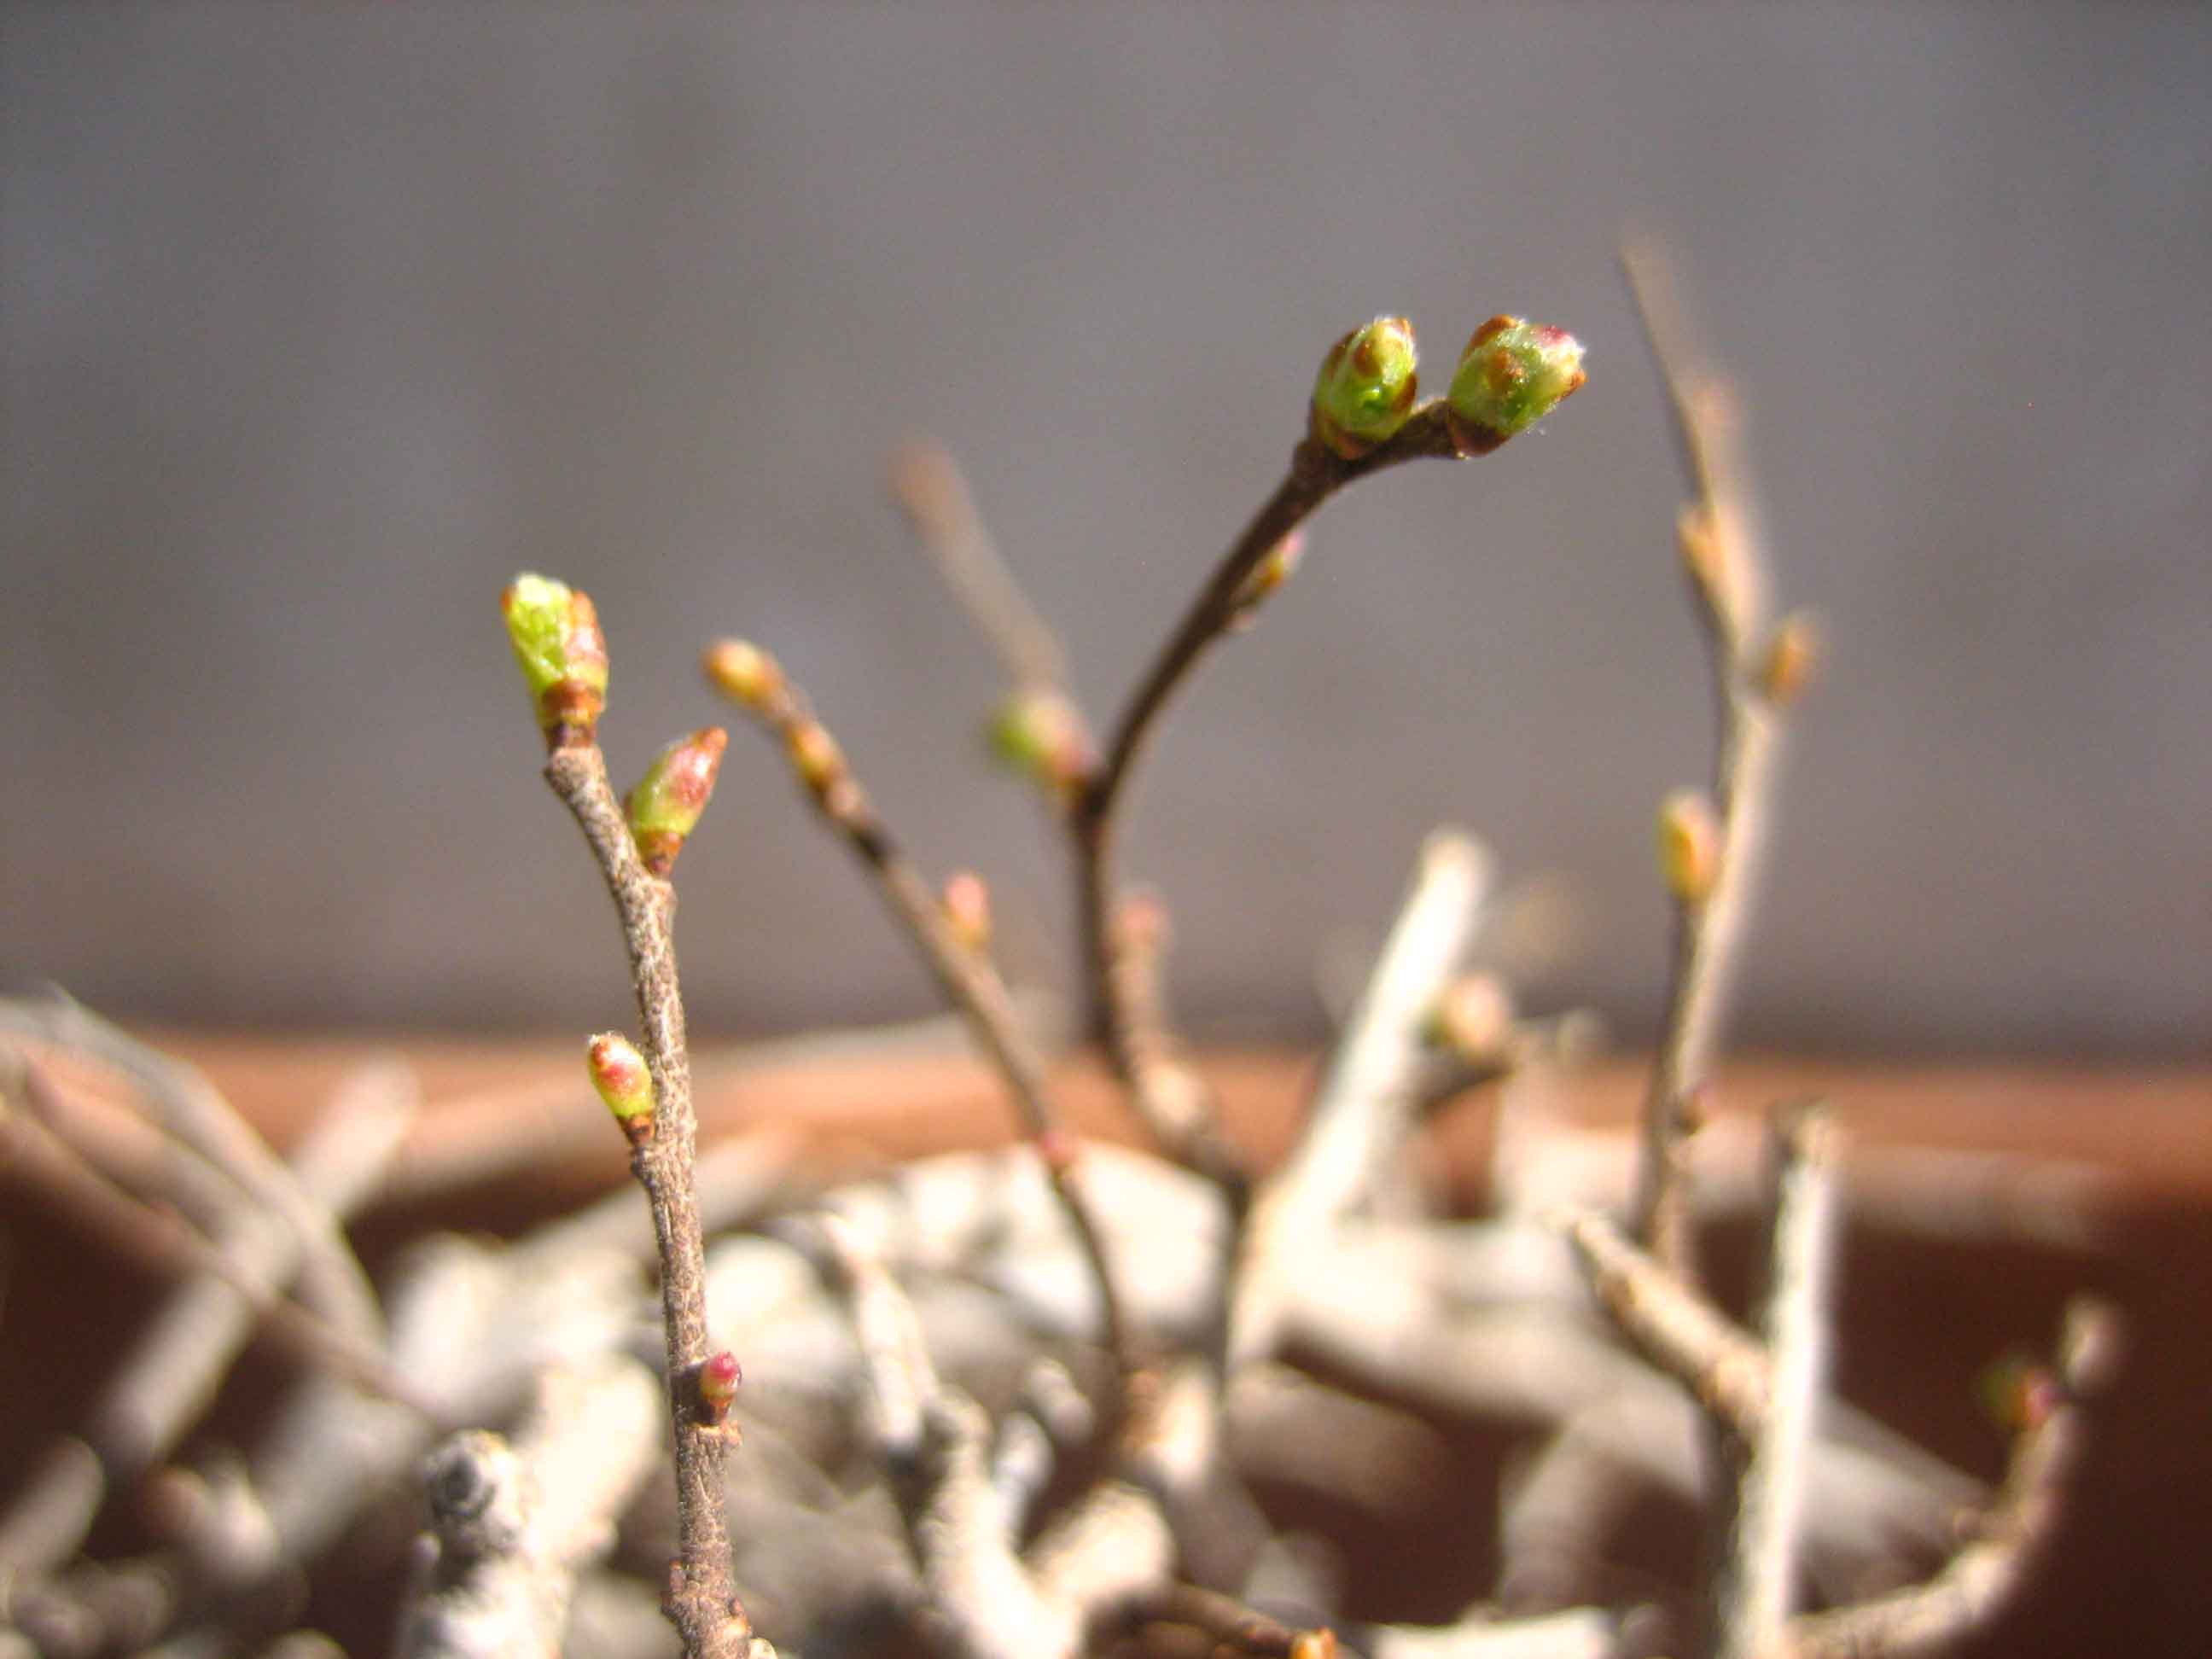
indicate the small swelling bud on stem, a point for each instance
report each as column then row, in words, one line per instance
column 1366, row 387
column 1791, row 658
column 664, row 806
column 1039, row 735
column 556, row 635
column 1278, row 567
column 1473, row 1020
column 619, row 1073
column 968, row 910
column 720, row 1374
column 1689, row 846
column 745, row 673
column 1512, row 375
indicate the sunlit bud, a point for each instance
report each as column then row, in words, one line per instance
column 1314, row 1644
column 619, row 1072
column 1512, row 375
column 1689, row 846
column 1366, row 387
column 1040, row 734
column 2019, row 1393
column 1270, row 574
column 556, row 639
column 720, row 1374
column 664, row 806
column 745, row 673
column 968, row 910
column 815, row 757
column 1791, row 658
column 1473, row 1018
column 1707, row 556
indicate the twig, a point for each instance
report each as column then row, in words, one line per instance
column 1984, row 1579
column 512, row 1526
column 932, row 489
column 1367, row 1098
column 1316, row 474
column 1675, row 1326
column 31, row 1157
column 1755, row 1589
column 331, row 1282
column 963, row 971
column 1727, row 578
column 702, row 1599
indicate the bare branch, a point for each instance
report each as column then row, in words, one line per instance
column 1753, row 1599
column 702, row 1600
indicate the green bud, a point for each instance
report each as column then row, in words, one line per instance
column 1512, row 374
column 1366, row 387
column 556, row 639
column 745, row 674
column 1039, row 735
column 664, row 806
column 619, row 1072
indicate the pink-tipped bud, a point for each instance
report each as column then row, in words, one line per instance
column 1039, row 735
column 1689, row 846
column 968, row 910
column 1790, row 660
column 720, row 1374
column 664, row 806
column 745, row 674
column 1270, row 574
column 816, row 758
column 620, row 1075
column 1142, row 924
column 2019, row 1393
column 556, row 635
column 1059, row 1150
column 1473, row 1018
column 1512, row 375
column 1366, row 387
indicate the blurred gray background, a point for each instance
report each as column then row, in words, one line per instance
column 319, row 324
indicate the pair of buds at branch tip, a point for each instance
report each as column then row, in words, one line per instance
column 1512, row 375
column 754, row 680
column 563, row 653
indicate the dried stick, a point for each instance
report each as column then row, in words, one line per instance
column 1675, row 1326
column 174, row 1371
column 1727, row 581
column 962, row 967
column 331, row 1282
column 513, row 1525
column 702, row 1599
column 1316, row 474
column 2021, row 1537
column 933, row 491
column 31, row 1158
column 1759, row 1575
column 1367, row 1098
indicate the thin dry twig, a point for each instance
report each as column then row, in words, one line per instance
column 331, row 1283
column 31, row 1157
column 1368, row 1097
column 933, row 491
column 1727, row 580
column 1752, row 1601
column 701, row 1598
column 965, row 974
column 2020, row 1540
column 1316, row 474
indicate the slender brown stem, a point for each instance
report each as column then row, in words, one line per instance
column 33, row 1158
column 969, row 982
column 1316, row 474
column 1727, row 593
column 701, row 1595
